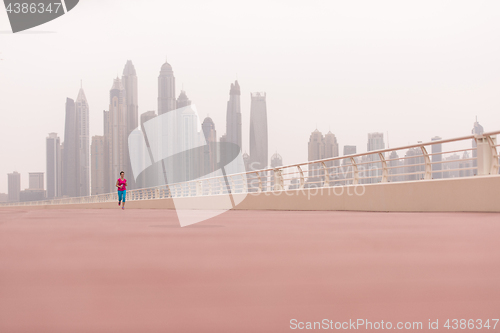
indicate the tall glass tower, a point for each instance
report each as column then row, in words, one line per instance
column 258, row 131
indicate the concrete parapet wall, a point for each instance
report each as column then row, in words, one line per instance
column 472, row 194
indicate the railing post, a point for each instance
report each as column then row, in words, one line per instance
column 428, row 165
column 260, row 182
column 302, row 181
column 492, row 141
column 278, row 180
column 244, row 181
column 487, row 156
column 355, row 176
column 384, row 168
column 233, row 185
column 327, row 176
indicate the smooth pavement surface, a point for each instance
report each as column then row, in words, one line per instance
column 243, row 271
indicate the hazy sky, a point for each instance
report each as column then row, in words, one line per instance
column 414, row 69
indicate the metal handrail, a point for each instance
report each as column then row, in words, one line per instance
column 274, row 179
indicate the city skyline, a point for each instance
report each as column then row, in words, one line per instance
column 423, row 79
column 123, row 116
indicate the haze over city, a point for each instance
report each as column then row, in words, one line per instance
column 352, row 68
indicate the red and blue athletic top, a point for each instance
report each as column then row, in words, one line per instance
column 121, row 184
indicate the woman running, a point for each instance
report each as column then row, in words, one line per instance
column 121, row 183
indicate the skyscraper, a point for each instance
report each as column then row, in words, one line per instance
column 188, row 137
column 316, row 146
column 395, row 169
column 476, row 130
column 233, row 125
column 36, row 190
column 98, row 164
column 129, row 81
column 70, row 154
column 166, row 89
column 53, row 164
column 276, row 160
column 169, row 132
column 82, row 126
column 183, row 100
column 331, row 150
column 375, row 142
column 107, row 148
column 210, row 151
column 258, row 131
column 437, row 158
column 348, row 150
column 117, row 150
column 465, row 165
column 149, row 178
column 246, row 161
column 316, row 151
column 347, row 169
column 36, row 181
column 14, row 186
column 414, row 163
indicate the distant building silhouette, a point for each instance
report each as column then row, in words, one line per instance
column 233, row 127
column 476, row 130
column 70, row 154
column 98, row 165
column 183, row 100
column 36, row 191
column 149, row 178
column 82, row 145
column 166, row 89
column 258, row 131
column 36, row 181
column 316, row 151
column 394, row 165
column 187, row 136
column 107, row 149
column 316, row 146
column 437, row 158
column 246, row 161
column 14, row 186
column 259, row 156
column 53, row 166
column 129, row 81
column 451, row 166
column 332, row 150
column 31, row 195
column 347, row 169
column 276, row 162
column 210, row 151
column 415, row 164
column 348, row 150
column 375, row 142
column 465, row 166
column 117, row 136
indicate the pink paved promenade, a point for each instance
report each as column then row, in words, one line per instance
column 243, row 271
